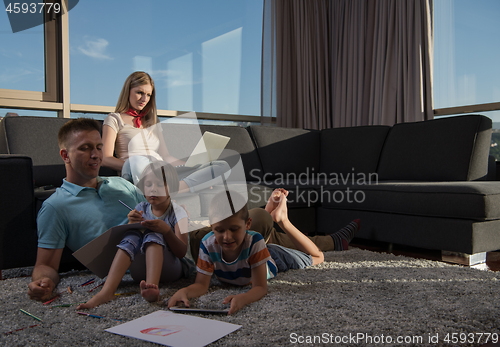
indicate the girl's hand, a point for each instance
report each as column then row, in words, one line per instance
column 135, row 216
column 157, row 225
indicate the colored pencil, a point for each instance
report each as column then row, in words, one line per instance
column 127, row 206
column 96, row 287
column 90, row 315
column 68, row 305
column 129, row 293
column 88, row 282
column 96, row 316
column 29, row 314
column 13, row 331
column 55, row 297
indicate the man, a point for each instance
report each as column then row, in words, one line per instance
column 84, row 207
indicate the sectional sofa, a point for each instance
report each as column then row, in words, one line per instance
column 426, row 184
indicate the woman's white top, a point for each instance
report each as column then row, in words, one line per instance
column 132, row 141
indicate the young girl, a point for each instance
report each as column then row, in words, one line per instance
column 154, row 255
column 132, row 131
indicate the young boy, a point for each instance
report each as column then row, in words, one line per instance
column 162, row 243
column 239, row 256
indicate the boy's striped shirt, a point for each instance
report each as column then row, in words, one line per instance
column 254, row 253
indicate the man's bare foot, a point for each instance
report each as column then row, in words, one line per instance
column 98, row 299
column 149, row 291
column 275, row 199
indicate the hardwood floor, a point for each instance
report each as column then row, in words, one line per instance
column 492, row 258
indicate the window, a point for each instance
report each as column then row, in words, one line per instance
column 204, row 56
column 21, row 57
column 466, row 51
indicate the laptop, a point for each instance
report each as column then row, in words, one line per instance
column 208, row 149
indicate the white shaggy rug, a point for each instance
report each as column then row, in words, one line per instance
column 355, row 298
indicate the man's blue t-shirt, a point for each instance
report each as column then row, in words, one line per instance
column 76, row 215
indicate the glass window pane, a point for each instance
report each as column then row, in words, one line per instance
column 204, row 56
column 466, row 51
column 22, row 59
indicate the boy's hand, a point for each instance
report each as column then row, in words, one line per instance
column 41, row 289
column 181, row 296
column 135, row 216
column 157, row 225
column 236, row 303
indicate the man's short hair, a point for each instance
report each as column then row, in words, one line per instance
column 76, row 125
column 227, row 204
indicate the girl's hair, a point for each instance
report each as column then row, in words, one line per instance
column 158, row 168
column 136, row 79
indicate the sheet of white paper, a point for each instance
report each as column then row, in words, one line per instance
column 98, row 254
column 175, row 329
column 208, row 149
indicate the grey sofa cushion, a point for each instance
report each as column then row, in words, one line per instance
column 284, row 151
column 447, row 149
column 352, row 150
column 478, row 201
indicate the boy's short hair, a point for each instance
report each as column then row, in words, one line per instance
column 227, row 204
column 76, row 125
column 158, row 168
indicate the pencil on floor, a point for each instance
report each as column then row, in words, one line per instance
column 48, row 302
column 13, row 331
column 29, row 314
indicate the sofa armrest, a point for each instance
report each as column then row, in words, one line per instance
column 18, row 238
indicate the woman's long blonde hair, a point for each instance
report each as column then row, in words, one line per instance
column 138, row 78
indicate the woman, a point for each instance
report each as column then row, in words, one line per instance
column 130, row 132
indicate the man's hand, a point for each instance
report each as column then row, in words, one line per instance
column 41, row 289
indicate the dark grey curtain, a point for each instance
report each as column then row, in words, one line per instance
column 335, row 63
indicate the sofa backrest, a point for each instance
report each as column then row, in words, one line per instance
column 352, row 150
column 286, row 152
column 36, row 137
column 446, row 149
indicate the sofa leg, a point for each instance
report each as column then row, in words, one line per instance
column 463, row 258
